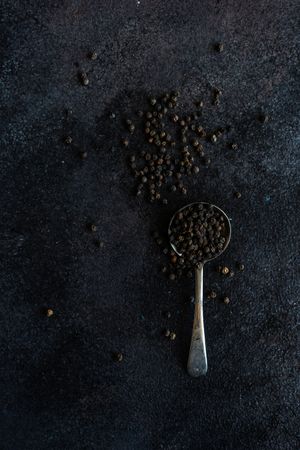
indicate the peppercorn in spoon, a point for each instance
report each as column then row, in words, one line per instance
column 198, row 233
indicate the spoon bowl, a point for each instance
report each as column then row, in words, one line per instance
column 197, row 361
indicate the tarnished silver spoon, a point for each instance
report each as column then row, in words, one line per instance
column 197, row 361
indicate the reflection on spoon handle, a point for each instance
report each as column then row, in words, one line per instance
column 197, row 362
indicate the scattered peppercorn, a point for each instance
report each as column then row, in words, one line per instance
column 174, row 259
column 212, row 294
column 167, row 333
column 240, row 267
column 226, row 300
column 263, row 118
column 173, row 151
column 172, row 336
column 238, row 194
column 93, row 227
column 225, row 270
column 49, row 312
column 83, row 155
column 219, row 47
column 68, row 140
column 93, row 55
column 83, row 78
column 117, row 356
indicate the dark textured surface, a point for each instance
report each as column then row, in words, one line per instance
column 60, row 388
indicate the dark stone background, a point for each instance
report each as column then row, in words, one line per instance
column 60, row 388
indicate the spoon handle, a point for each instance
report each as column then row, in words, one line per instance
column 197, row 362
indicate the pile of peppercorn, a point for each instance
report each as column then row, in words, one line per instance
column 175, row 147
column 198, row 233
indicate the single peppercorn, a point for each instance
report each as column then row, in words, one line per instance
column 167, row 333
column 125, row 142
column 131, row 128
column 240, row 267
column 225, row 270
column 49, row 312
column 118, row 356
column 263, row 118
column 226, row 300
column 83, row 78
column 93, row 55
column 238, row 194
column 172, row 336
column 68, row 140
column 93, row 227
column 173, row 259
column 83, row 155
column 212, row 294
column 219, row 47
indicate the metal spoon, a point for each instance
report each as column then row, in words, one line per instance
column 197, row 361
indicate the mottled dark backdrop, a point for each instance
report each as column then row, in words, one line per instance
column 60, row 388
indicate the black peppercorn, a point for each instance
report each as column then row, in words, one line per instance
column 131, row 128
column 263, row 118
column 83, row 155
column 117, row 356
column 219, row 47
column 93, row 55
column 49, row 312
column 68, row 140
column 83, row 78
